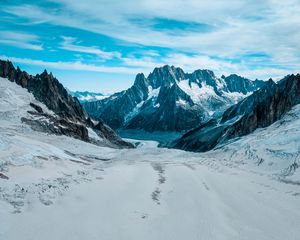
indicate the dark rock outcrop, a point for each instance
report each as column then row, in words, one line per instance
column 107, row 133
column 58, row 126
column 45, row 89
column 259, row 110
column 114, row 109
column 235, row 83
column 2, row 176
column 36, row 107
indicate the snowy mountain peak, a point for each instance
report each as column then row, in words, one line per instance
column 169, row 94
column 166, row 75
column 259, row 110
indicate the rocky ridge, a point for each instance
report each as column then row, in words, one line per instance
column 69, row 117
column 171, row 100
column 259, row 110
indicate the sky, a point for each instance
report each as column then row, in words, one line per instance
column 100, row 45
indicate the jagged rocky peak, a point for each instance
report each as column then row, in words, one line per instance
column 166, row 75
column 49, row 90
column 141, row 82
column 204, row 75
column 235, row 83
column 165, row 94
column 46, row 89
column 68, row 118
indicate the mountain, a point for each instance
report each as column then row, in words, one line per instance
column 62, row 114
column 171, row 100
column 235, row 190
column 259, row 110
column 87, row 96
column 239, row 84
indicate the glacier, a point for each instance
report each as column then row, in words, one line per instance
column 58, row 187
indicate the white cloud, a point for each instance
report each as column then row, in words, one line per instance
column 146, row 65
column 75, row 66
column 219, row 66
column 240, row 27
column 69, row 44
column 20, row 40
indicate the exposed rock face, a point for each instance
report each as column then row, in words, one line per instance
column 165, row 76
column 55, row 124
column 45, row 89
column 113, row 110
column 36, row 107
column 69, row 118
column 259, row 110
column 239, row 84
column 172, row 113
column 170, row 100
column 107, row 133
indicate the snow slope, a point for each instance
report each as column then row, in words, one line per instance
column 62, row 188
column 147, row 193
column 275, row 148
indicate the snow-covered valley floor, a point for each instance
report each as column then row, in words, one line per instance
column 146, row 193
column 56, row 187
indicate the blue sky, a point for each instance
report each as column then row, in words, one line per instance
column 100, row 45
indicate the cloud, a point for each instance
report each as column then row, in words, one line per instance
column 74, row 66
column 20, row 40
column 134, row 65
column 233, row 32
column 239, row 27
column 69, row 44
column 190, row 63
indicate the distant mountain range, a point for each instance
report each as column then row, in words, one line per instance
column 88, row 96
column 171, row 100
column 208, row 110
column 258, row 110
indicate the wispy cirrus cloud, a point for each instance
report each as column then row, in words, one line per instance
column 191, row 63
column 20, row 40
column 236, row 27
column 70, row 44
column 75, row 66
column 254, row 38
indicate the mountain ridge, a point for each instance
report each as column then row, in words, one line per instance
column 68, row 118
column 261, row 109
column 199, row 95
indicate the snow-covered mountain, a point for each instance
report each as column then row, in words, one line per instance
column 86, row 189
column 171, row 100
column 67, row 116
column 88, row 96
column 259, row 110
column 248, row 189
